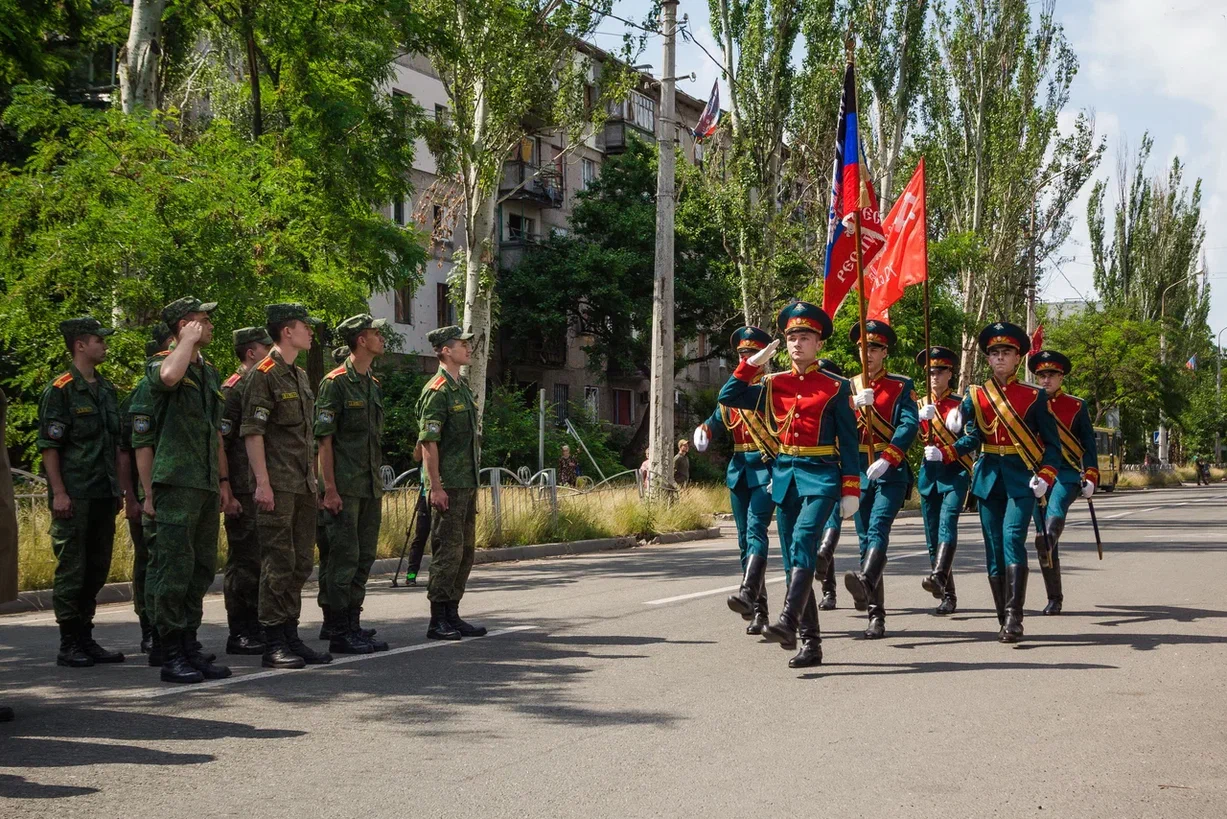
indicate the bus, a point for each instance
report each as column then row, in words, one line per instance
column 1108, row 447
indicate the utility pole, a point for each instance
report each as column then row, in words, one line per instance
column 660, row 423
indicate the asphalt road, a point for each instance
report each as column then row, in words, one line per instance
column 621, row 685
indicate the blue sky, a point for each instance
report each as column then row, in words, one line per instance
column 1145, row 65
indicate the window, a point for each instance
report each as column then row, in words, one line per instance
column 562, row 398
column 403, row 305
column 700, row 346
column 622, row 407
column 587, row 170
column 442, row 115
column 643, row 112
column 521, row 228
column 446, row 311
column 592, row 398
column 398, row 211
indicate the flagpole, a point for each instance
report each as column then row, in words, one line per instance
column 850, row 45
column 924, row 234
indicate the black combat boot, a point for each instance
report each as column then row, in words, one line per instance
column 242, row 640
column 194, row 646
column 344, row 639
column 877, row 612
column 1015, row 599
column 175, row 667
column 830, row 539
column 751, row 584
column 935, row 583
column 440, row 627
column 200, row 661
column 800, row 590
column 94, row 651
column 761, row 616
column 996, row 584
column 276, row 653
column 71, row 655
column 1052, row 576
column 295, row 644
column 156, row 657
column 811, row 638
column 452, row 609
column 861, row 584
column 146, row 634
column 950, row 602
column 367, row 634
column 326, row 627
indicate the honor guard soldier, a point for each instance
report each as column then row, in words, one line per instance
column 189, row 488
column 451, row 458
column 78, row 437
column 1079, row 471
column 943, row 487
column 749, row 472
column 1019, row 457
column 887, row 415
column 810, row 416
column 140, row 529
column 278, row 414
column 241, row 586
column 349, row 430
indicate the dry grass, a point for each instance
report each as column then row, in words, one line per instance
column 1149, row 480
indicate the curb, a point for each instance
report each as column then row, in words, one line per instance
column 40, row 600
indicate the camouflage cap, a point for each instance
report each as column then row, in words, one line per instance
column 290, row 311
column 349, row 329
column 249, row 334
column 84, row 326
column 174, row 312
column 340, row 354
column 438, row 338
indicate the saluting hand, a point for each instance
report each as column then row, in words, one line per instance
column 764, row 355
column 191, row 333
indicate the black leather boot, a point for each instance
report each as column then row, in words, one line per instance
column 200, row 661
column 761, row 616
column 344, row 640
column 1052, row 576
column 1015, row 599
column 811, row 638
column 295, row 644
column 830, row 539
column 155, row 658
column 367, row 634
column 996, row 584
column 452, row 608
column 784, row 630
column 276, row 653
column 242, row 640
column 877, row 612
column 935, row 583
column 950, row 602
column 71, row 655
column 94, row 651
column 146, row 634
column 175, row 666
column 194, row 646
column 440, row 627
column 861, row 584
column 743, row 601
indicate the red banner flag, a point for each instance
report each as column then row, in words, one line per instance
column 1037, row 340
column 905, row 260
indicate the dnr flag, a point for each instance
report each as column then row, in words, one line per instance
column 710, row 117
column 851, row 192
column 1191, row 364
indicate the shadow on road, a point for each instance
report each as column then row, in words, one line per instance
column 942, row 667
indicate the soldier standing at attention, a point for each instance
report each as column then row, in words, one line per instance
column 832, row 529
column 810, row 413
column 451, row 457
column 241, row 585
column 887, row 416
column 1019, row 458
column 747, row 476
column 78, row 436
column 349, row 429
column 186, row 487
column 278, row 411
column 1079, row 472
column 942, row 487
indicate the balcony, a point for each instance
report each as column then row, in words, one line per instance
column 619, row 133
column 511, row 250
column 528, row 182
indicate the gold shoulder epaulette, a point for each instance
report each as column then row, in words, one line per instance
column 338, row 371
column 63, row 381
column 267, row 364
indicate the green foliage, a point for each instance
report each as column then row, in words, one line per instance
column 401, row 389
column 511, row 428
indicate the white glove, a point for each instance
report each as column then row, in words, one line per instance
column 1088, row 488
column 864, row 398
column 932, row 453
column 701, row 438
column 764, row 355
column 848, row 505
column 1039, row 486
column 954, row 420
column 768, row 487
column 877, row 469
column 928, row 412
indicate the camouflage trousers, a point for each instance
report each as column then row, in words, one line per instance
column 141, row 531
column 287, row 554
column 241, row 585
column 347, row 544
column 82, row 546
column 183, row 557
column 452, row 541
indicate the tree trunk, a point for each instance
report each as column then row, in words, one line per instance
column 253, row 70
column 138, row 63
column 478, row 282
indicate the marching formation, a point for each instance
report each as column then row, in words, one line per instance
column 292, row 468
column 815, row 449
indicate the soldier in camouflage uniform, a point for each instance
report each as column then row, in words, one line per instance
column 78, row 432
column 448, row 432
column 141, row 531
column 241, row 587
column 278, row 411
column 348, row 429
column 187, row 486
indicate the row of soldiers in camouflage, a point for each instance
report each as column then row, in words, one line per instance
column 184, row 447
column 795, row 437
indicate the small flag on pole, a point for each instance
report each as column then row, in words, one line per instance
column 710, row 117
column 1191, row 364
column 904, row 261
column 1037, row 340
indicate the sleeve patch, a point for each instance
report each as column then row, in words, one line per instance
column 227, row 425
column 140, row 423
column 55, row 430
column 433, row 427
column 260, row 413
column 326, row 416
